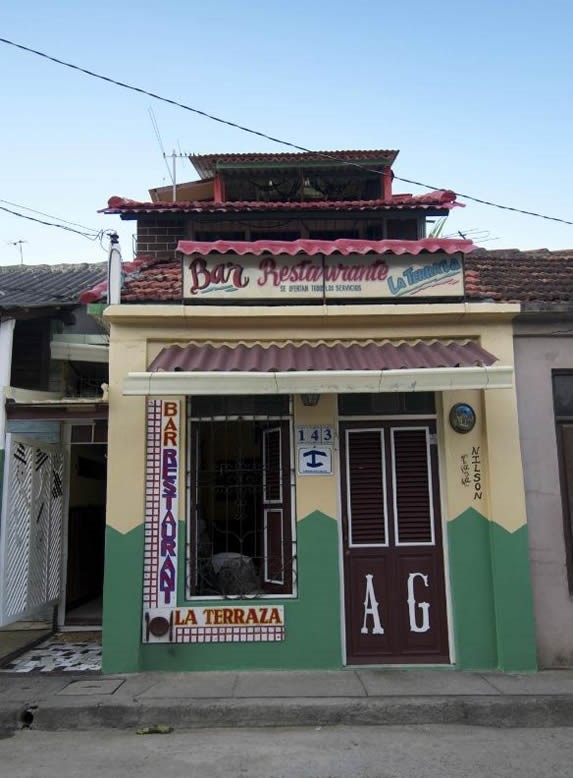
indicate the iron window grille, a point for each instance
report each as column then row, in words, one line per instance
column 240, row 538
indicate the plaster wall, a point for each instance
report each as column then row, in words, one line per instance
column 535, row 358
column 487, row 539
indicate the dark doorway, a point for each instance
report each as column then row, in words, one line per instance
column 86, row 528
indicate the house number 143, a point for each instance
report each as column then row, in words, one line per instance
column 319, row 435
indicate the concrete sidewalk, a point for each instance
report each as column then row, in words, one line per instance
column 264, row 699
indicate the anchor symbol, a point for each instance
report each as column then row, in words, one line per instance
column 312, row 458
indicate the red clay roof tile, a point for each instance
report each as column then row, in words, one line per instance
column 440, row 199
column 311, row 247
column 205, row 164
column 502, row 275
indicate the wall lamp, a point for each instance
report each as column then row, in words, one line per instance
column 310, row 399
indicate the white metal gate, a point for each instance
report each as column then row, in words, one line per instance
column 31, row 532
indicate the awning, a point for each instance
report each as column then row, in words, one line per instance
column 328, row 368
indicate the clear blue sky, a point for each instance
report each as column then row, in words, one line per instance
column 476, row 95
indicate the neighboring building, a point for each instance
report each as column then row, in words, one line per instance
column 542, row 281
column 313, row 444
column 53, row 433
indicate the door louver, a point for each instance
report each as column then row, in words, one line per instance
column 367, row 498
column 412, row 486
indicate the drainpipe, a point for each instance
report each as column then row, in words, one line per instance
column 114, row 272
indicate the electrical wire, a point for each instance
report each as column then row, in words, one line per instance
column 52, row 224
column 258, row 133
column 49, row 216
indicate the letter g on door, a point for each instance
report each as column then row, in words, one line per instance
column 423, row 606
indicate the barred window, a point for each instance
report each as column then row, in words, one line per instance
column 240, row 539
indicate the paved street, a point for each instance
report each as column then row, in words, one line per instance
column 333, row 752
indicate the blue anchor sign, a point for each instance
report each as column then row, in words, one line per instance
column 314, row 460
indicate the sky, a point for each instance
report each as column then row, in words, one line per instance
column 477, row 96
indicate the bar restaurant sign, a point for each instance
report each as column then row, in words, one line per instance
column 282, row 277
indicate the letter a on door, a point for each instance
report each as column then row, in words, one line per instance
column 371, row 609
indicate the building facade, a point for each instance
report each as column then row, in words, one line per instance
column 542, row 281
column 313, row 444
column 53, row 435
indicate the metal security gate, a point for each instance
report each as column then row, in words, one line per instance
column 393, row 560
column 31, row 533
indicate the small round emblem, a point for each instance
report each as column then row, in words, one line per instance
column 462, row 417
column 159, row 626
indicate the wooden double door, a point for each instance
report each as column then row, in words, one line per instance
column 395, row 601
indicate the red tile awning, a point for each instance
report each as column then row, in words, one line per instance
column 343, row 246
column 328, row 368
column 339, row 356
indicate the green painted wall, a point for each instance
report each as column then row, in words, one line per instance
column 122, row 600
column 472, row 591
column 491, row 595
column 513, row 599
column 312, row 620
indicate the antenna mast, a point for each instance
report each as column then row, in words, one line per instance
column 19, row 244
column 174, row 155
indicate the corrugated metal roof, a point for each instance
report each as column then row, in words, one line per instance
column 36, row 286
column 385, row 355
column 443, row 199
column 344, row 246
column 205, row 164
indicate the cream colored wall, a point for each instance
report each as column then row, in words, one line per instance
column 318, row 492
column 138, row 333
column 507, row 493
column 454, row 446
column 497, row 434
column 127, row 433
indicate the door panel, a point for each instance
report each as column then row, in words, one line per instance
column 31, row 539
column 277, row 562
column 411, row 484
column 394, row 581
column 369, row 626
column 367, row 513
column 420, row 612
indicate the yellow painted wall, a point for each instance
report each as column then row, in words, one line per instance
column 318, row 492
column 138, row 333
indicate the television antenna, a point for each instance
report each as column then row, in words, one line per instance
column 19, row 244
column 174, row 156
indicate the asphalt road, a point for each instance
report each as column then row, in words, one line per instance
column 436, row 751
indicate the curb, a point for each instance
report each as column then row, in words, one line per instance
column 486, row 711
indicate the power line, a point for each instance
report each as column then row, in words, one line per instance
column 51, row 224
column 271, row 138
column 49, row 216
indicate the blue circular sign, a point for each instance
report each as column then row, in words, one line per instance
column 462, row 417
